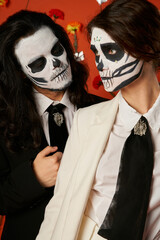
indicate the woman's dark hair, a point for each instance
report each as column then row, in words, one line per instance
column 20, row 121
column 134, row 25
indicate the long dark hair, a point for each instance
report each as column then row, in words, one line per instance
column 134, row 25
column 20, row 122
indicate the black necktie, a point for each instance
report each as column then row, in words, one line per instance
column 125, row 219
column 57, row 126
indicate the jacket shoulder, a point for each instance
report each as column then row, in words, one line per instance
column 93, row 109
column 96, row 113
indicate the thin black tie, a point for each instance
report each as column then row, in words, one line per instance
column 57, row 126
column 125, row 219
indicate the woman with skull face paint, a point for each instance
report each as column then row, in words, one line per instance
column 125, row 38
column 37, row 68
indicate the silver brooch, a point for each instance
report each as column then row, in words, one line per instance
column 58, row 118
column 140, row 128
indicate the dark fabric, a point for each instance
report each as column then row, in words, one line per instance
column 22, row 198
column 126, row 216
column 90, row 100
column 57, row 126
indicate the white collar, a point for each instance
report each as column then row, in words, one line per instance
column 128, row 116
column 43, row 102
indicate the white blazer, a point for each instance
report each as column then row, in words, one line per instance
column 88, row 138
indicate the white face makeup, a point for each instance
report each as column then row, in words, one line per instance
column 44, row 60
column 117, row 69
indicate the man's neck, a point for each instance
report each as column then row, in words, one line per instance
column 53, row 95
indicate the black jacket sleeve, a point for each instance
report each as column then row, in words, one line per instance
column 19, row 187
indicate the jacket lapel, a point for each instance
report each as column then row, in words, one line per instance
column 93, row 148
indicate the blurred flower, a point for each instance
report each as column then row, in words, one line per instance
column 3, row 3
column 101, row 1
column 73, row 28
column 79, row 56
column 97, row 82
column 56, row 13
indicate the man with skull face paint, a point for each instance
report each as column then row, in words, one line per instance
column 37, row 69
column 125, row 38
column 45, row 65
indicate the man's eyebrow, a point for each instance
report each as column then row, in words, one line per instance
column 34, row 59
column 55, row 43
column 37, row 57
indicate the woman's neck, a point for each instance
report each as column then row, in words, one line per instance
column 143, row 92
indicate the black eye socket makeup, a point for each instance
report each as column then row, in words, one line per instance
column 94, row 50
column 37, row 65
column 112, row 51
column 57, row 50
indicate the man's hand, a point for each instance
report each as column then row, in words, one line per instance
column 46, row 166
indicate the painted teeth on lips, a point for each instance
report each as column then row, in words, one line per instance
column 106, row 84
column 60, row 71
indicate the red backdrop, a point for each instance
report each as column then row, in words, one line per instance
column 74, row 10
column 81, row 11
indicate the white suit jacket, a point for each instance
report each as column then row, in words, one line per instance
column 86, row 143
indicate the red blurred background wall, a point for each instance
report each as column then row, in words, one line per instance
column 74, row 10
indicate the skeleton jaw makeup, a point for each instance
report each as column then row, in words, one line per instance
column 44, row 60
column 117, row 69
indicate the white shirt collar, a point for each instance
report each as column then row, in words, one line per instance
column 128, row 116
column 43, row 102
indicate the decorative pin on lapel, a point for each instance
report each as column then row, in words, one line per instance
column 58, row 118
column 140, row 128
